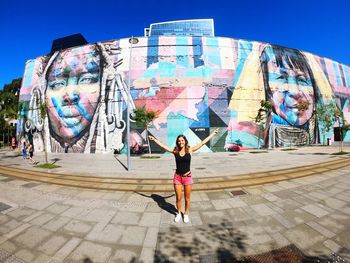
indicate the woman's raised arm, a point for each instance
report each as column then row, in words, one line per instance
column 165, row 147
column 199, row 145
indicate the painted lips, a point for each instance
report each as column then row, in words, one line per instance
column 71, row 121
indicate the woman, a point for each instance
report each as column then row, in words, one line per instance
column 183, row 176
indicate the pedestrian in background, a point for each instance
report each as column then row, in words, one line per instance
column 30, row 150
column 24, row 149
column 66, row 146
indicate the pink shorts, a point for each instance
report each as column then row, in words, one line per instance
column 183, row 180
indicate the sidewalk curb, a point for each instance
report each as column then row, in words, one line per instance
column 166, row 185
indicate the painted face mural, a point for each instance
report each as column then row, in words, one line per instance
column 73, row 90
column 193, row 84
column 288, row 84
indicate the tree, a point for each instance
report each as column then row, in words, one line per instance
column 261, row 117
column 143, row 118
column 327, row 116
column 43, row 114
column 14, row 86
column 9, row 106
column 343, row 126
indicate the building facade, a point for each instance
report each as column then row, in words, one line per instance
column 194, row 84
column 192, row 27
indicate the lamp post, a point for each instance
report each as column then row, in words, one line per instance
column 132, row 41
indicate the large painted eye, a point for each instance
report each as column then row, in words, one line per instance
column 283, row 77
column 88, row 79
column 302, row 79
column 57, row 84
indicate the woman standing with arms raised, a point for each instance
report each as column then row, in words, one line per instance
column 183, row 176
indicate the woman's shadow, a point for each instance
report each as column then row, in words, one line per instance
column 162, row 203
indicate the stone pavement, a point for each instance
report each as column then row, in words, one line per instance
column 42, row 222
column 203, row 164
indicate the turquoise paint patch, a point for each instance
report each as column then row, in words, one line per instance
column 347, row 137
column 29, row 73
column 213, row 53
column 182, row 52
column 247, row 139
column 233, row 114
column 202, row 72
column 164, row 69
column 244, row 49
column 324, row 136
column 176, row 125
column 347, row 76
column 150, row 73
column 337, row 73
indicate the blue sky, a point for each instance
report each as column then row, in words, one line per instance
column 27, row 28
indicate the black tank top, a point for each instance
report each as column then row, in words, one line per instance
column 183, row 163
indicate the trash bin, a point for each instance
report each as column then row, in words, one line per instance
column 329, row 142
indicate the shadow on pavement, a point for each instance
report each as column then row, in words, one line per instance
column 55, row 160
column 224, row 243
column 125, row 167
column 219, row 242
column 162, row 203
column 8, row 156
column 309, row 153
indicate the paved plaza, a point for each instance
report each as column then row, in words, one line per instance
column 42, row 222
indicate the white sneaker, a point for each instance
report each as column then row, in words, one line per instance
column 186, row 219
column 177, row 218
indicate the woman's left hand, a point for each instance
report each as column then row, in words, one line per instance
column 216, row 131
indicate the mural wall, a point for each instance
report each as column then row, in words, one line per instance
column 79, row 96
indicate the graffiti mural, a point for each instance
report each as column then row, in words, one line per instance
column 83, row 97
column 194, row 84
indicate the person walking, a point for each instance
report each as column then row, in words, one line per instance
column 30, row 150
column 24, row 149
column 66, row 146
column 183, row 175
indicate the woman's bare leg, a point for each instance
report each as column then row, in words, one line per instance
column 178, row 193
column 188, row 189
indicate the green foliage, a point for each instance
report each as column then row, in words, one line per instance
column 344, row 126
column 47, row 166
column 327, row 115
column 265, row 107
column 13, row 87
column 43, row 110
column 9, row 105
column 261, row 117
column 143, row 117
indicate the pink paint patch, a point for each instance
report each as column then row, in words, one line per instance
column 246, row 126
column 214, row 93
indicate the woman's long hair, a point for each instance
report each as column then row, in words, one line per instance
column 177, row 147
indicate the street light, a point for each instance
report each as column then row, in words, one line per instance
column 132, row 41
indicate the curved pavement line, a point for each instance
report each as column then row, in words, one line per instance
column 166, row 185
